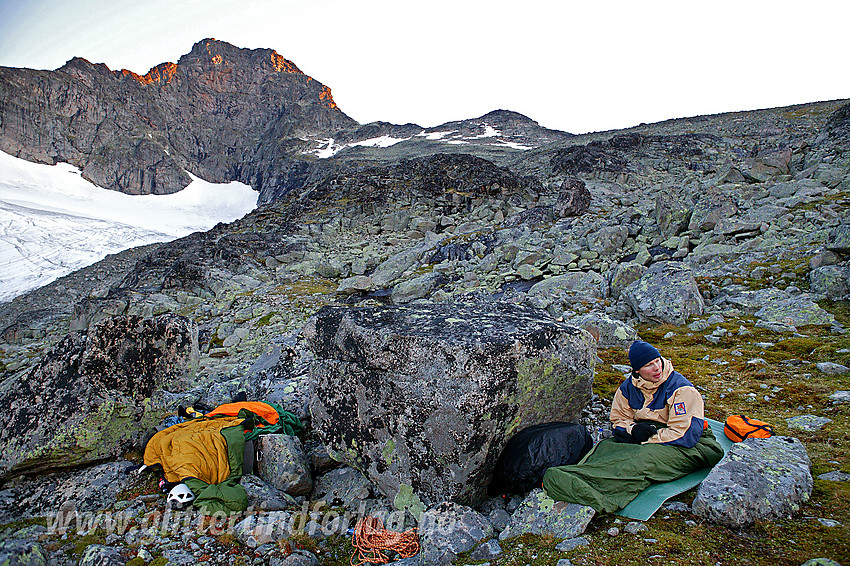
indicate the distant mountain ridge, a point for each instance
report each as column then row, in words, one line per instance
column 222, row 113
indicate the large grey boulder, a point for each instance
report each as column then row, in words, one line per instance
column 667, row 292
column 671, row 214
column 423, row 398
column 792, row 310
column 785, row 189
column 760, row 479
column 705, row 253
column 608, row 239
column 92, row 396
column 623, row 275
column 416, row 288
column 393, row 267
column 712, row 206
column 574, row 198
column 558, row 292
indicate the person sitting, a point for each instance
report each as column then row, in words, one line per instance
column 657, row 393
column 660, row 434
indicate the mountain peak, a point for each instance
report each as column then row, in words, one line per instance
column 507, row 116
column 221, row 53
column 219, row 113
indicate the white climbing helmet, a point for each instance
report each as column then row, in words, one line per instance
column 180, row 495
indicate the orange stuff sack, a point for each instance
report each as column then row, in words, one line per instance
column 739, row 427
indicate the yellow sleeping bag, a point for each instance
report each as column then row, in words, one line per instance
column 195, row 449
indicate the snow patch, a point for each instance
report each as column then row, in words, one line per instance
column 329, row 150
column 514, row 145
column 383, row 141
column 53, row 222
column 434, row 136
column 489, row 132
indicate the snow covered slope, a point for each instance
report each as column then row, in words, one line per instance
column 53, row 222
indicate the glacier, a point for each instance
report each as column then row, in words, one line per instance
column 53, row 222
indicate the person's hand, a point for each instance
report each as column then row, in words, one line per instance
column 621, row 435
column 641, row 432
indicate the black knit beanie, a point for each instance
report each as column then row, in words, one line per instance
column 641, row 353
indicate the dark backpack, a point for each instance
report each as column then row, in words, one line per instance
column 531, row 451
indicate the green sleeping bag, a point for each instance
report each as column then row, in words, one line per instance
column 614, row 473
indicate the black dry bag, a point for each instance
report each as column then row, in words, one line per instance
column 531, row 451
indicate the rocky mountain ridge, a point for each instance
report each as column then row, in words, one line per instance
column 724, row 240
column 208, row 114
column 221, row 113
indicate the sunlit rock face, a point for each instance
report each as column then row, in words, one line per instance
column 213, row 114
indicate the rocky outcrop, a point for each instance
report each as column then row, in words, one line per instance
column 95, row 394
column 423, row 398
column 623, row 152
column 219, row 113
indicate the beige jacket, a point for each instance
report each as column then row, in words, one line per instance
column 673, row 401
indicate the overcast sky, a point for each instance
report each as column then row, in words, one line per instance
column 581, row 66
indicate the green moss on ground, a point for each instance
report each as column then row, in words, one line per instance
column 784, row 383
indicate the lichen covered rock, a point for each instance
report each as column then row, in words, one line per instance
column 423, row 398
column 666, row 292
column 760, row 479
column 284, row 464
column 91, row 395
column 540, row 514
column 831, row 281
column 448, row 529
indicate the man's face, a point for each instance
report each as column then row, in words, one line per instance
column 651, row 371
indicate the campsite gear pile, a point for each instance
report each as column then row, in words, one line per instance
column 204, row 458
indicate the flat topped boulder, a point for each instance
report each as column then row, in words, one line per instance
column 422, row 398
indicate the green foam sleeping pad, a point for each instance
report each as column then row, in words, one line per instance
column 642, row 507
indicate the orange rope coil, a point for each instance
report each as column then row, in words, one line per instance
column 370, row 539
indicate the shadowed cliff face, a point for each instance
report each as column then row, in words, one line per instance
column 215, row 113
